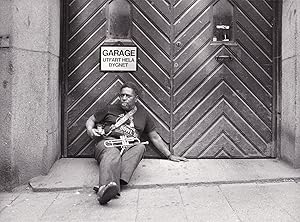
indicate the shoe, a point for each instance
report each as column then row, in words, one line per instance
column 106, row 193
column 96, row 189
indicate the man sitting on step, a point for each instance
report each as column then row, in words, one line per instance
column 117, row 129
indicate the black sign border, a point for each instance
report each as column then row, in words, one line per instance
column 119, row 46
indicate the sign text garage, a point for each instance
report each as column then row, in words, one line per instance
column 118, row 58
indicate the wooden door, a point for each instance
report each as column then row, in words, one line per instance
column 223, row 108
column 203, row 107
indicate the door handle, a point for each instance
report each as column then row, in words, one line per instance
column 223, row 58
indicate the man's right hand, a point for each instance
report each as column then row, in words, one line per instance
column 93, row 133
column 90, row 128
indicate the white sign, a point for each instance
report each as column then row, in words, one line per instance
column 118, row 58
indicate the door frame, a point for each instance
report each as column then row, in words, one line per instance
column 63, row 66
column 277, row 80
column 277, row 71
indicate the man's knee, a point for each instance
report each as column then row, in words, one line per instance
column 112, row 153
column 140, row 148
column 107, row 154
column 110, row 159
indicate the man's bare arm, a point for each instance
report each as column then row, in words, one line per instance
column 90, row 126
column 163, row 148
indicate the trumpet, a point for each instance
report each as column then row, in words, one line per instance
column 123, row 143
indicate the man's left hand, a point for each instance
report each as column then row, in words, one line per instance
column 177, row 158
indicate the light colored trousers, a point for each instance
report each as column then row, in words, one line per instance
column 116, row 168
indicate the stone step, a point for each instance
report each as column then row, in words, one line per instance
column 82, row 173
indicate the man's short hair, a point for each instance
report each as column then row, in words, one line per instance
column 132, row 86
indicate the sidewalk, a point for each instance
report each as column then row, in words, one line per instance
column 199, row 190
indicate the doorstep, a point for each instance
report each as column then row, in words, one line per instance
column 82, row 173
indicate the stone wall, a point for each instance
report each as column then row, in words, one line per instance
column 290, row 128
column 29, row 111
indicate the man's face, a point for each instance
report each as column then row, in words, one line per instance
column 127, row 98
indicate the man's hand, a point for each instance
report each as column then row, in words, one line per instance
column 162, row 147
column 93, row 133
column 177, row 158
column 90, row 128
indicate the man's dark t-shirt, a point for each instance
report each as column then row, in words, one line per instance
column 137, row 124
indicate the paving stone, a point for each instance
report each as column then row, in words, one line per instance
column 286, row 196
column 229, row 202
column 4, row 204
column 206, row 203
column 159, row 197
column 160, row 204
column 27, row 207
column 251, row 203
column 6, row 199
column 157, row 214
column 115, row 214
column 83, row 206
column 8, row 196
column 71, row 206
column 120, row 209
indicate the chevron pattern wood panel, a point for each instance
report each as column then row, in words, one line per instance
column 223, row 109
column 203, row 108
column 151, row 33
column 88, row 88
